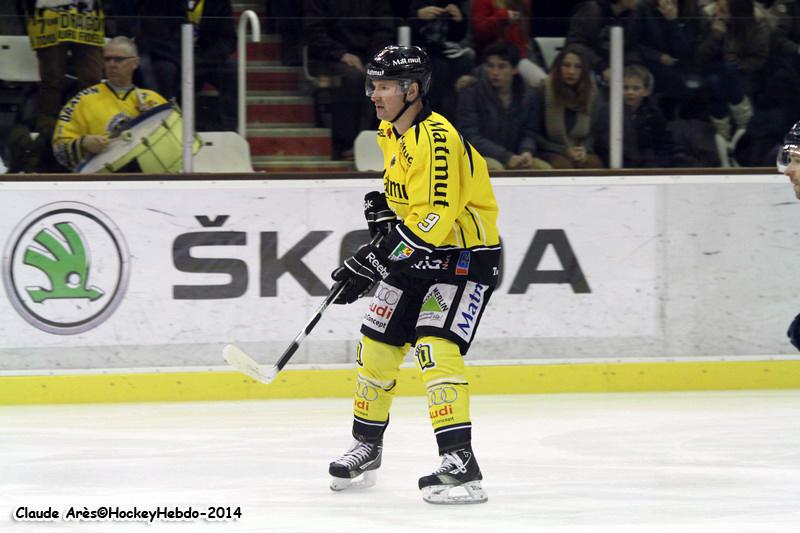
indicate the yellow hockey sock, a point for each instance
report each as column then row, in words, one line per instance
column 442, row 370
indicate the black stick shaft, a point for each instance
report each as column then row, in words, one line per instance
column 335, row 290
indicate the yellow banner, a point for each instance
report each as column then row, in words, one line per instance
column 49, row 27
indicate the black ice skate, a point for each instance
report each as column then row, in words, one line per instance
column 357, row 467
column 459, row 469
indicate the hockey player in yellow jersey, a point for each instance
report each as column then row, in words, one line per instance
column 435, row 269
column 91, row 118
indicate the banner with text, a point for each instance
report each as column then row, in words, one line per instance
column 122, row 275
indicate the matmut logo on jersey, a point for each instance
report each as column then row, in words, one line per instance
column 65, row 268
column 469, row 309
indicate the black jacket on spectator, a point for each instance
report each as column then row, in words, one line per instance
column 432, row 34
column 751, row 48
column 646, row 140
column 334, row 28
column 662, row 36
column 497, row 131
column 590, row 26
column 161, row 30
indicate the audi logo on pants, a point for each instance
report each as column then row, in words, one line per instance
column 442, row 394
column 388, row 294
column 366, row 391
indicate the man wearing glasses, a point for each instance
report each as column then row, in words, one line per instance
column 95, row 115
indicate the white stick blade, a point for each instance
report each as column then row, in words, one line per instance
column 245, row 364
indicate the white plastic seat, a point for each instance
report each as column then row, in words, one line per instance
column 367, row 154
column 550, row 47
column 222, row 152
column 18, row 61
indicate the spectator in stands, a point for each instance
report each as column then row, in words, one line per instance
column 507, row 21
column 775, row 107
column 567, row 106
column 646, row 139
column 215, row 42
column 56, row 29
column 497, row 112
column 92, row 118
column 439, row 26
column 666, row 50
column 341, row 36
column 590, row 27
column 733, row 52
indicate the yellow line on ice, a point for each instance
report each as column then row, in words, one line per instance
column 321, row 383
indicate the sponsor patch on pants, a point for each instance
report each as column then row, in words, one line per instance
column 382, row 307
column 469, row 309
column 436, row 305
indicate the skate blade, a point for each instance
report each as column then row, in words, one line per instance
column 471, row 492
column 364, row 481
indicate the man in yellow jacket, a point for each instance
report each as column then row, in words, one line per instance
column 435, row 267
column 93, row 116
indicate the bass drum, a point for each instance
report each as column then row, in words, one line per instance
column 151, row 143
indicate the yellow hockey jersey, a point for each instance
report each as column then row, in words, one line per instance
column 438, row 184
column 98, row 110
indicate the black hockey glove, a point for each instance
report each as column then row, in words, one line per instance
column 794, row 332
column 380, row 218
column 360, row 272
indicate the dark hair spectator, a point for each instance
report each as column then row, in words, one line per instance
column 507, row 21
column 341, row 37
column 775, row 106
column 590, row 27
column 733, row 52
column 440, row 26
column 666, row 48
column 567, row 107
column 497, row 112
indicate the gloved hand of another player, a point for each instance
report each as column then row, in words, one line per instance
column 380, row 218
column 794, row 332
column 360, row 272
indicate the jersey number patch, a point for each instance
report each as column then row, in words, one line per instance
column 430, row 221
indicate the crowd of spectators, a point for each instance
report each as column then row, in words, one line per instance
column 706, row 82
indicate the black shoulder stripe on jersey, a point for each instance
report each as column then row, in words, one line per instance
column 416, row 133
column 468, row 148
column 463, row 237
column 477, row 227
column 430, row 162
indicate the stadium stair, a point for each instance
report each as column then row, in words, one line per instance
column 281, row 127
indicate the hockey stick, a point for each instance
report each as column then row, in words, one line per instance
column 245, row 364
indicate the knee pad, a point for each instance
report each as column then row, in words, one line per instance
column 378, row 367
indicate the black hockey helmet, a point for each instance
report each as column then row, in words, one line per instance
column 791, row 147
column 402, row 63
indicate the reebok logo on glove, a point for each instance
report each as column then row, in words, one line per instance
column 377, row 265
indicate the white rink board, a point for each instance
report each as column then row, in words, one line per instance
column 673, row 269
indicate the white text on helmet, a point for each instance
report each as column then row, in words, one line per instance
column 406, row 60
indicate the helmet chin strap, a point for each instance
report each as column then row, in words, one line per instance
column 406, row 105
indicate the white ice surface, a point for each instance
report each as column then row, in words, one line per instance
column 614, row 463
